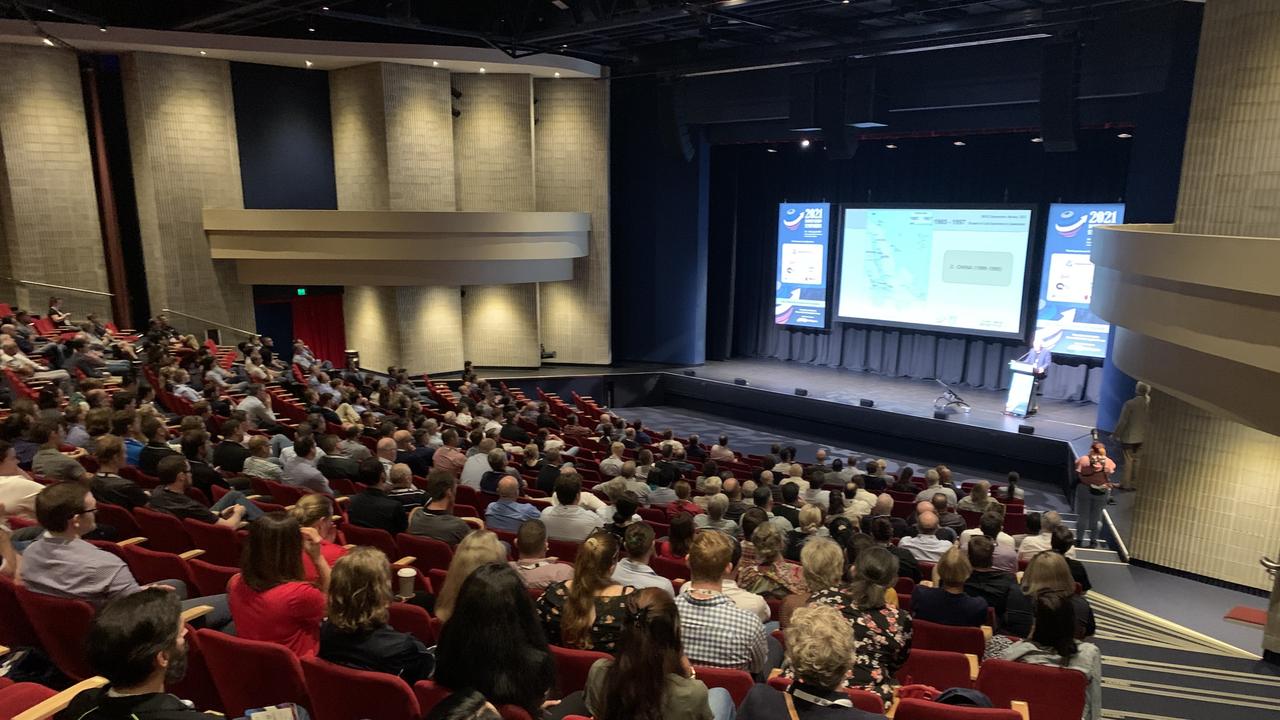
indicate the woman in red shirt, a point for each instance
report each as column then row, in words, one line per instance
column 270, row 600
column 316, row 511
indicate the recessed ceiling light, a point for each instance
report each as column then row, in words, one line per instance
column 308, row 62
column 102, row 28
column 844, row 2
column 959, row 143
column 49, row 9
column 202, row 52
column 325, row 8
column 1125, row 136
column 891, row 146
column 804, row 143
column 562, row 47
column 772, row 150
column 311, row 29
column 435, row 63
column 481, row 69
column 1037, row 139
column 48, row 42
column 557, row 74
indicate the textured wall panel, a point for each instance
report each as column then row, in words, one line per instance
column 430, row 328
column 359, row 138
column 572, row 161
column 48, row 208
column 182, row 137
column 371, row 323
column 494, row 166
column 419, row 136
column 1208, row 494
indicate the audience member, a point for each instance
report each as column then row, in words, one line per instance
column 106, row 483
column 882, row 534
column 569, row 520
column 374, row 507
column 936, row 485
column 1048, row 572
column 926, row 545
column 717, row 632
column 679, row 537
column 316, row 511
column 769, row 575
column 171, row 497
column 402, row 488
column 884, row 509
column 1005, row 558
column 823, row 566
column 17, row 490
column 633, row 570
column 507, row 513
column 436, row 519
column 1064, row 544
column 1042, row 540
column 479, row 548
column 535, row 568
column 1052, row 642
column 996, row 587
column 260, row 463
column 587, row 611
column 682, row 502
column 300, row 470
column 231, row 454
column 622, row 514
column 947, row 603
column 715, row 518
column 270, row 599
column 49, row 461
column 810, row 525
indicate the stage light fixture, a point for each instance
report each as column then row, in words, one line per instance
column 48, row 41
column 1026, row 429
column 802, row 392
column 866, row 402
column 102, row 28
column 739, row 381
column 202, row 52
column 1037, row 139
column 891, row 146
column 557, row 74
column 481, row 69
column 804, row 143
column 308, row 62
column 311, row 29
column 771, row 150
column 435, row 63
column 1125, row 136
column 959, row 143
column 325, row 8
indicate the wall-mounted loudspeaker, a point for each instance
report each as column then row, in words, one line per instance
column 1027, row 429
column 739, row 381
column 867, row 402
column 802, row 392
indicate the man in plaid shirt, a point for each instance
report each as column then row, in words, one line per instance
column 714, row 630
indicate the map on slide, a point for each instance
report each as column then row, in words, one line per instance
column 897, row 257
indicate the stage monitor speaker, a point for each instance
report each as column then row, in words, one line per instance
column 689, row 373
column 679, row 138
column 940, row 415
column 1027, row 429
column 1059, row 80
column 802, row 392
column 739, row 381
column 866, row 402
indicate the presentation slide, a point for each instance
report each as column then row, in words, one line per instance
column 800, row 297
column 1064, row 322
column 949, row 269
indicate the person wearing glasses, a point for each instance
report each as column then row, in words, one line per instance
column 62, row 564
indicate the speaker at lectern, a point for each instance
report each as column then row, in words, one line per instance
column 1021, row 386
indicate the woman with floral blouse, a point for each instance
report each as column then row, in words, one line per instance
column 769, row 575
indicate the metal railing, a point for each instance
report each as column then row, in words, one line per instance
column 63, row 288
column 207, row 321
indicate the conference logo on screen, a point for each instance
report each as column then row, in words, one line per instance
column 1072, row 225
column 793, row 222
column 1065, row 322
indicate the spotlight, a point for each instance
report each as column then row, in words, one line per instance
column 891, row 146
column 803, row 143
column 959, row 143
column 202, row 52
column 1037, row 139
column 325, row 8
column 311, row 29
column 844, row 2
column 557, row 74
column 48, row 41
column 435, row 63
column 481, row 69
column 102, row 28
column 49, row 9
column 1026, row 429
column 308, row 62
column 1125, row 136
column 771, row 150
column 866, row 402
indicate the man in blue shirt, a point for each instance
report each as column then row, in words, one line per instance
column 506, row 514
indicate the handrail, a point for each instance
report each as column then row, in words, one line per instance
column 59, row 287
column 209, row 322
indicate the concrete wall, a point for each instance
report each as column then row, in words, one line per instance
column 182, row 137
column 49, row 229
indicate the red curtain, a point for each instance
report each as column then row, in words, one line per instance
column 318, row 321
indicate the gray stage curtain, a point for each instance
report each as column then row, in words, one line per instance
column 899, row 353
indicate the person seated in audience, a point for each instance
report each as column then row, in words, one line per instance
column 49, row 461
column 612, row 465
column 477, row 464
column 587, row 611
column 717, row 632
column 497, row 459
column 790, row 507
column 720, row 452
column 417, row 458
column 231, row 454
column 682, row 503
column 810, row 526
column 1064, row 544
column 106, row 484
column 625, row 481
column 17, row 490
column 157, row 447
column 997, row 587
column 882, row 632
column 659, row 492
column 62, row 564
column 270, row 599
column 12, row 357
column 350, row 446
column 356, row 632
column 301, row 471
column 768, row 575
column 904, row 483
column 570, row 520
column 820, row 653
column 385, row 451
column 715, row 519
column 373, row 507
column 633, row 570
column 823, row 566
column 884, row 509
column 260, row 463
column 1036, row 543
column 748, row 601
column 315, row 511
column 1010, row 491
column 947, row 603
column 535, row 568
column 950, row 522
column 762, row 499
column 926, row 545
column 332, row 462
column 858, row 502
column 1005, row 558
column 507, row 513
column 679, row 537
column 979, row 499
column 73, row 421
column 256, row 406
column 139, row 644
column 171, row 496
column 710, row 469
column 402, row 489
column 621, row 515
column 1048, row 572
column 479, row 548
column 436, row 519
column 734, row 491
column 1053, row 642
column 493, row 643
column 195, row 449
column 549, row 468
column 881, row 532
column 936, row 485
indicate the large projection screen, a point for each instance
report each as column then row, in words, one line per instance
column 949, row 269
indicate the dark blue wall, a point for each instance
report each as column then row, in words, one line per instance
column 285, row 137
column 659, row 233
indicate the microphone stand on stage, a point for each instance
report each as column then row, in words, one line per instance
column 949, row 398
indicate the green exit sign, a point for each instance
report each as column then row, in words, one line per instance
column 302, row 291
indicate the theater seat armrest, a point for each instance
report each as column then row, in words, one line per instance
column 3, row 650
column 196, row 612
column 1021, row 707
column 775, row 673
column 474, row 522
column 973, row 666
column 986, row 633
column 256, row 497
column 343, row 500
column 405, row 561
column 132, row 541
column 349, row 547
column 59, row 702
column 893, row 708
column 191, row 554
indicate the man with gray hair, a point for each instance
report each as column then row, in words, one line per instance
column 936, row 485
column 1131, row 432
column 711, row 487
column 403, row 489
column 717, row 506
column 926, row 545
column 477, row 465
column 612, row 465
column 1032, row 544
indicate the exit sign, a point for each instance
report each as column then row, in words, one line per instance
column 302, row 291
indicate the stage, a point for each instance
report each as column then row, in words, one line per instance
column 901, row 424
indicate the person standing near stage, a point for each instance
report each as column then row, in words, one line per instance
column 1131, row 431
column 1095, row 470
column 1040, row 359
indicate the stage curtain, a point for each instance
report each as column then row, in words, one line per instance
column 318, row 321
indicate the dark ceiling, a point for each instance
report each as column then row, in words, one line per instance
column 631, row 36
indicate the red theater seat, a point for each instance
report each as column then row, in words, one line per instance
column 343, row 693
column 251, row 673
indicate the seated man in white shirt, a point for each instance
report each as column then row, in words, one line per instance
column 568, row 520
column 612, row 465
column 1032, row 544
column 926, row 545
column 634, row 570
column 17, row 361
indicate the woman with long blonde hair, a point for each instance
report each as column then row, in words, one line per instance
column 479, row 548
column 356, row 633
column 1047, row 572
column 589, row 610
column 316, row 511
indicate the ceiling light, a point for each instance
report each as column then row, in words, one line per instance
column 891, row 146
column 49, row 9
column 325, row 8
column 844, row 2
column 311, row 29
column 202, row 52
column 308, row 62
column 47, row 41
column 1125, row 136
column 435, row 63
column 481, row 69
column 1037, row 139
column 959, row 143
column 562, row 47
column 102, row 28
column 771, row 150
column 557, row 74
column 804, row 143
